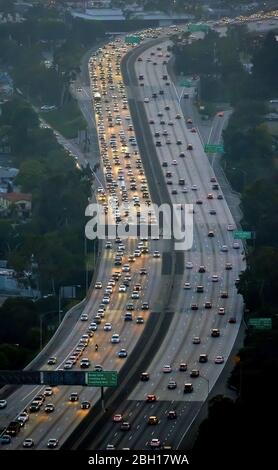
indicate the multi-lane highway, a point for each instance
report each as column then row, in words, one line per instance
column 203, row 295
column 214, row 248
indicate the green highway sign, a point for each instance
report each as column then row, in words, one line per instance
column 132, row 40
column 242, row 235
column 186, row 83
column 195, row 27
column 260, row 323
column 214, row 148
column 102, row 379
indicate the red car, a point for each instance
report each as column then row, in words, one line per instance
column 117, row 418
column 151, row 398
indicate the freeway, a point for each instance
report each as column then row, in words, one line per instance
column 163, row 113
column 107, row 298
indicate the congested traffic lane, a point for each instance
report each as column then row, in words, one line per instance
column 66, row 416
column 177, row 346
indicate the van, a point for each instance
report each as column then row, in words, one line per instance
column 181, row 182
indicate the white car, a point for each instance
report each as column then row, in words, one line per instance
column 187, row 285
column 194, row 187
column 166, row 369
column 236, row 245
column 224, row 248
column 156, row 254
column 189, row 265
column 84, row 317
column 219, row 360
column 3, row 404
column 146, row 100
column 98, row 285
column 107, row 327
column 230, row 227
column 122, row 288
column 214, row 278
column 174, row 162
column 115, row 338
column 135, row 295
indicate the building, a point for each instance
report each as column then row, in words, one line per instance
column 21, row 202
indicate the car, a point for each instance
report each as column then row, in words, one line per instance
column 211, row 234
column 98, row 368
column 146, row 100
column 28, row 442
column 115, row 338
column 85, row 405
column 52, row 361
column 189, row 265
column 151, row 398
column 74, row 397
column 155, row 442
column 189, row 147
column 172, row 414
column 221, row 311
column 107, row 327
column 117, row 418
column 232, row 320
column 187, row 285
column 5, row 439
column 144, row 376
column 122, row 353
column 212, row 212
column 172, row 384
column 215, row 278
column 48, row 391
column 196, row 340
column 224, row 248
column 194, row 373
column 202, row 269
column 230, row 227
column 98, row 285
column 34, row 407
column 220, row 114
column 188, row 388
column 224, row 294
column 194, row 307
column 215, row 332
column 125, row 426
column 219, row 360
column 110, row 447
column 3, row 404
column 49, row 408
column 228, row 266
column 52, row 443
column 236, row 245
column 23, row 418
column 194, row 187
column 219, row 196
column 122, row 288
column 139, row 320
column 166, row 369
column 208, row 304
column 152, row 420
column 93, row 326
column 84, row 317
column 156, row 254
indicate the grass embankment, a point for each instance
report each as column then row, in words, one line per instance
column 67, row 120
